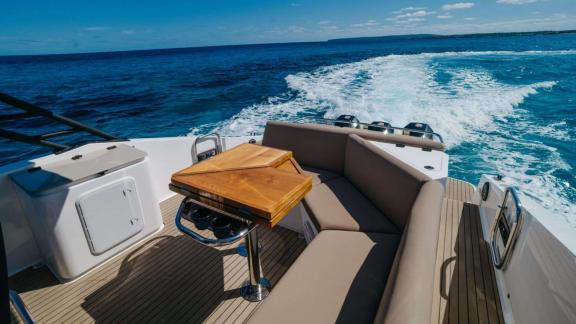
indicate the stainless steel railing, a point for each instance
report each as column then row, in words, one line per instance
column 505, row 228
column 218, row 147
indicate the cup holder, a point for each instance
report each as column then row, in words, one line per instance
column 201, row 218
column 221, row 226
column 204, row 219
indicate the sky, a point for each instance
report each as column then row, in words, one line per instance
column 75, row 26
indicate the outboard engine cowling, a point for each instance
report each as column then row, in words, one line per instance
column 347, row 121
column 380, row 126
column 418, row 130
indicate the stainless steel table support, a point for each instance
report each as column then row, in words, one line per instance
column 257, row 287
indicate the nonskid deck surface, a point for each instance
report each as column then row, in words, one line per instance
column 171, row 278
column 168, row 278
column 465, row 289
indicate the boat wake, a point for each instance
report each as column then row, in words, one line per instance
column 482, row 119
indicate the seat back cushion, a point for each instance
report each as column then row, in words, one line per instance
column 409, row 290
column 316, row 146
column 390, row 184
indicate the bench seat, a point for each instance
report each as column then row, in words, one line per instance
column 319, row 175
column 338, row 205
column 378, row 218
column 340, row 277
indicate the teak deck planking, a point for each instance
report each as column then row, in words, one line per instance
column 168, row 278
column 465, row 289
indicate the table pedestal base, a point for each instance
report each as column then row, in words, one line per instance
column 255, row 293
column 256, row 288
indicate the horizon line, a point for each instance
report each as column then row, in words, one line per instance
column 343, row 39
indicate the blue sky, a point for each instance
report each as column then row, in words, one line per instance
column 45, row 26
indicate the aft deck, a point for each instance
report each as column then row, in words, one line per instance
column 171, row 278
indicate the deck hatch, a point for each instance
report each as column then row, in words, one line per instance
column 110, row 214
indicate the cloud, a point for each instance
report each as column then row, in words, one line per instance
column 295, row 4
column 296, row 29
column 128, row 32
column 419, row 13
column 469, row 18
column 444, row 17
column 458, row 5
column 408, row 9
column 95, row 28
column 324, row 22
column 369, row 23
column 330, row 28
column 515, row 2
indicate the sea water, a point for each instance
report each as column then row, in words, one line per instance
column 503, row 104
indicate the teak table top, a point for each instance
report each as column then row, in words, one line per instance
column 252, row 181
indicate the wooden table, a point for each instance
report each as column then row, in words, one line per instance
column 252, row 181
column 256, row 183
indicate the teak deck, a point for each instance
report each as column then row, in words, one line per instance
column 170, row 278
column 465, row 286
column 253, row 181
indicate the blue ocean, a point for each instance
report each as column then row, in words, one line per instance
column 504, row 104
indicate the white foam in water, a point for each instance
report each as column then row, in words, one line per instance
column 471, row 107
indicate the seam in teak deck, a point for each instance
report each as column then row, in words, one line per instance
column 168, row 278
column 465, row 289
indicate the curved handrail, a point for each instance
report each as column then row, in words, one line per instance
column 205, row 240
column 500, row 261
column 215, row 137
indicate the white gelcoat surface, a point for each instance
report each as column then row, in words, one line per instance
column 419, row 159
column 540, row 278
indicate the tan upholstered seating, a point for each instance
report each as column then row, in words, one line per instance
column 318, row 175
column 338, row 205
column 409, row 289
column 339, row 277
column 374, row 258
column 376, row 194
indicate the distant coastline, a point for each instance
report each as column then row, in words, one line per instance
column 375, row 39
column 436, row 36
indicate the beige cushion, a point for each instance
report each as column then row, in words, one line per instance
column 339, row 277
column 410, row 286
column 318, row 175
column 338, row 205
column 390, row 184
column 318, row 148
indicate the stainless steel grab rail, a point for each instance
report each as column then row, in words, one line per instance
column 209, row 241
column 214, row 137
column 20, row 307
column 500, row 261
